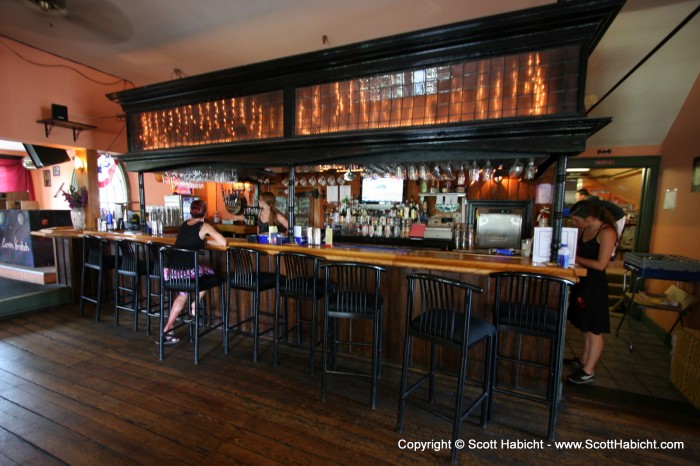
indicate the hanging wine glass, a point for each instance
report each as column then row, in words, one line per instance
column 400, row 172
column 461, row 176
column 516, row 170
column 487, row 171
column 530, row 170
column 447, row 175
column 412, row 173
column 474, row 173
column 423, row 172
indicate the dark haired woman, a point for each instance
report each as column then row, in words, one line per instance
column 588, row 309
column 192, row 235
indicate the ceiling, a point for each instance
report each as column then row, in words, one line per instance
column 152, row 41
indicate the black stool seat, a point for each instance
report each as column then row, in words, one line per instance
column 535, row 305
column 353, row 292
column 97, row 260
column 439, row 310
column 443, row 328
column 243, row 274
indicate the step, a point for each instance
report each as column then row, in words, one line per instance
column 38, row 275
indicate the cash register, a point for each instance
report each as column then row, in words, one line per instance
column 440, row 225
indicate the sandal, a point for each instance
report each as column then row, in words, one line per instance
column 169, row 339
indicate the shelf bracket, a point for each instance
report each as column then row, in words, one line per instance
column 48, row 126
column 76, row 133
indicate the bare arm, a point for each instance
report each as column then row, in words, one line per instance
column 281, row 219
column 607, row 239
column 208, row 230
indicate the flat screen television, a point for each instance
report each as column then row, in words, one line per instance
column 382, row 190
column 43, row 156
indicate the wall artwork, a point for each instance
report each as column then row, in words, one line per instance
column 56, row 170
column 47, row 178
column 695, row 182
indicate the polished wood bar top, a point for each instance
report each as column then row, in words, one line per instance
column 236, row 229
column 446, row 261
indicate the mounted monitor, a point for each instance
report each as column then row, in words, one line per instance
column 382, row 190
column 43, row 156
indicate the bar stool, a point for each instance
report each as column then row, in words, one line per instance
column 439, row 310
column 152, row 253
column 354, row 294
column 127, row 280
column 535, row 305
column 95, row 259
column 300, row 282
column 243, row 274
column 180, row 272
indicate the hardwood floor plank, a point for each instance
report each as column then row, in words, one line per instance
column 81, row 392
column 15, row 450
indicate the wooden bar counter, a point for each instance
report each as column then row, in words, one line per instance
column 400, row 263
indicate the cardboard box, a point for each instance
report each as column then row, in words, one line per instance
column 29, row 205
column 685, row 364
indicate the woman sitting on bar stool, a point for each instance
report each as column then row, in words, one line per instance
column 588, row 309
column 192, row 235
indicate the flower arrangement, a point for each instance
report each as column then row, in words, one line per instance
column 76, row 197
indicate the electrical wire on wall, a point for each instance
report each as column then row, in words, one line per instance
column 47, row 65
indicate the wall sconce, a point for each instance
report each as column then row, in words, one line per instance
column 78, row 164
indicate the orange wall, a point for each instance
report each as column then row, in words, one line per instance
column 29, row 89
column 677, row 231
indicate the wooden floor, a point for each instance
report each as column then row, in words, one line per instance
column 73, row 391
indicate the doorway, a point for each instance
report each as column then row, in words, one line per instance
column 629, row 181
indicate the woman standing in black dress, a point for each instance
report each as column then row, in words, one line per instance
column 588, row 309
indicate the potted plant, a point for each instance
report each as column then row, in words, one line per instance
column 77, row 199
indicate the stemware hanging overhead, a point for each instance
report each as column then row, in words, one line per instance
column 474, row 173
column 423, row 172
column 412, row 172
column 487, row 172
column 447, row 175
column 516, row 170
column 461, row 176
column 530, row 170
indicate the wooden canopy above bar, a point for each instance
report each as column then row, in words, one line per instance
column 202, row 120
column 476, row 264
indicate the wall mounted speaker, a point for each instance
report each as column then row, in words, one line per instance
column 59, row 112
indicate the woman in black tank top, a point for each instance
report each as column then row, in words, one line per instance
column 192, row 235
column 588, row 307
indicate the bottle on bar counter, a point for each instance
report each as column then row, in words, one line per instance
column 563, row 256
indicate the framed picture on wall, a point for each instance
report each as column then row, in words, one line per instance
column 47, row 179
column 56, row 170
column 695, row 182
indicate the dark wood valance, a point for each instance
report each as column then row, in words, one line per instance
column 206, row 119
